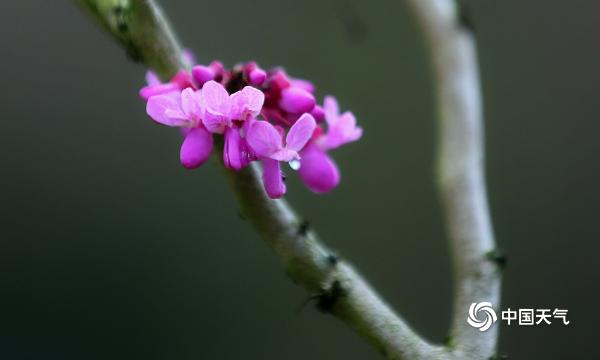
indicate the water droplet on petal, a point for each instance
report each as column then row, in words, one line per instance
column 295, row 164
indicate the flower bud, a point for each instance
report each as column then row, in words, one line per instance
column 296, row 100
column 318, row 113
column 257, row 77
column 203, row 74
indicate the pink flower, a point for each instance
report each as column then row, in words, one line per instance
column 205, row 111
column 234, row 156
column 176, row 109
column 196, row 148
column 267, row 143
column 341, row 129
column 317, row 170
column 184, row 110
column 203, row 74
column 221, row 109
column 180, row 81
column 296, row 100
column 273, row 178
column 246, row 103
column 254, row 74
column 286, row 98
column 199, row 102
column 226, row 114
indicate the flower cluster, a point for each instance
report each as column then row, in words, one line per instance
column 261, row 115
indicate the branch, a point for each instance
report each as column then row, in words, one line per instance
column 143, row 31
column 338, row 289
column 460, row 166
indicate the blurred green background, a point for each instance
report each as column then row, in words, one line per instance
column 110, row 249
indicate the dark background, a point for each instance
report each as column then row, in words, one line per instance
column 110, row 249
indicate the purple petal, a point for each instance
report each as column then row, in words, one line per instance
column 285, row 155
column 202, row 74
column 273, row 179
column 232, row 151
column 166, row 110
column 246, row 103
column 347, row 125
column 216, row 102
column 264, row 139
column 159, row 89
column 218, row 68
column 317, row 170
column 196, row 148
column 301, row 132
column 182, row 80
column 332, row 110
column 254, row 99
column 152, row 78
column 189, row 57
column 215, row 123
column 318, row 113
column 296, row 100
column 190, row 103
column 304, row 84
column 257, row 77
column 215, row 97
column 342, row 132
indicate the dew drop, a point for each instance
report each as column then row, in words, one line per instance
column 295, row 164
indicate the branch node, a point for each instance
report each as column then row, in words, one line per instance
column 498, row 257
column 464, row 16
column 327, row 298
column 303, row 228
column 333, row 259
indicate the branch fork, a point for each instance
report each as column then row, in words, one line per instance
column 141, row 27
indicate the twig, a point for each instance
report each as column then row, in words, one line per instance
column 460, row 165
column 339, row 289
column 142, row 29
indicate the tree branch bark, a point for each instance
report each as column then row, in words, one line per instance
column 143, row 30
column 337, row 288
column 460, row 167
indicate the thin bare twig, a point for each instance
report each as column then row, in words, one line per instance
column 460, row 163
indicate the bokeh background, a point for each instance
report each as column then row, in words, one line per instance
column 110, row 249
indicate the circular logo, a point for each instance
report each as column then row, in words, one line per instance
column 481, row 315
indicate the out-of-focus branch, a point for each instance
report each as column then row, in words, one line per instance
column 460, row 163
column 336, row 287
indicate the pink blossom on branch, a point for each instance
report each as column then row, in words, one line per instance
column 184, row 110
column 180, row 81
column 317, row 170
column 263, row 116
column 267, row 143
